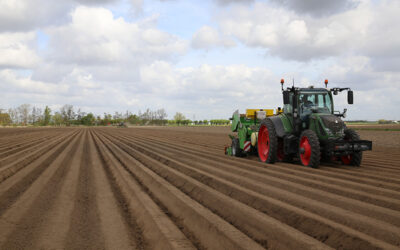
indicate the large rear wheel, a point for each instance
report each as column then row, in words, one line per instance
column 309, row 149
column 355, row 158
column 267, row 142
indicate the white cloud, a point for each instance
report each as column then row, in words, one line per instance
column 207, row 37
column 101, row 58
column 95, row 37
column 25, row 15
column 211, row 91
column 297, row 32
column 17, row 50
column 292, row 36
column 11, row 82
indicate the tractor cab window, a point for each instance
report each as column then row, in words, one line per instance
column 324, row 103
column 314, row 102
column 288, row 108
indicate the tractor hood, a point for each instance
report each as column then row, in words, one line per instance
column 334, row 126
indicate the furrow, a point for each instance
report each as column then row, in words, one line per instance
column 259, row 226
column 238, row 175
column 23, row 218
column 158, row 231
column 212, row 231
column 12, row 188
column 85, row 230
column 294, row 176
column 300, row 216
column 20, row 160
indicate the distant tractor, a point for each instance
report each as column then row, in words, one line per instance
column 122, row 125
column 307, row 128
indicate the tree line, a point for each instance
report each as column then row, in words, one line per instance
column 67, row 115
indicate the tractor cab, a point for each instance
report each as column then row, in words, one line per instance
column 312, row 108
column 314, row 101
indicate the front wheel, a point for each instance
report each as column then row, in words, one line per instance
column 355, row 158
column 309, row 149
column 267, row 143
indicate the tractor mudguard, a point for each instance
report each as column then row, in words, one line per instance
column 279, row 129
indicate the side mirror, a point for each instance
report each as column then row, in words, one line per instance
column 286, row 97
column 350, row 97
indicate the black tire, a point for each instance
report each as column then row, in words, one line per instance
column 356, row 157
column 313, row 158
column 271, row 156
column 236, row 150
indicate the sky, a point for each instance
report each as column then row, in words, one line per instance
column 204, row 59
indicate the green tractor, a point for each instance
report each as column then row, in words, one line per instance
column 307, row 129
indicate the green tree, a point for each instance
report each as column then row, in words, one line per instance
column 133, row 119
column 88, row 120
column 5, row 119
column 179, row 118
column 46, row 116
column 57, row 119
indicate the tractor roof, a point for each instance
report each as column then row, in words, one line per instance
column 314, row 89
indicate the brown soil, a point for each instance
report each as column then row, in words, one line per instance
column 173, row 188
column 375, row 126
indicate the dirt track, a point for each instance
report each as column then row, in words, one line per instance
column 173, row 188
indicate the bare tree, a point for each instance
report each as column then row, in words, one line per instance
column 37, row 115
column 13, row 115
column 117, row 115
column 146, row 115
column 24, row 111
column 79, row 114
column 161, row 114
column 67, row 113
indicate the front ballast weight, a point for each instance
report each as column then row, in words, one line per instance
column 246, row 127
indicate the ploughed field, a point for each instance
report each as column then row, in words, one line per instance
column 173, row 188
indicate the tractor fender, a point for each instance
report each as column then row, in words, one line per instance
column 279, row 129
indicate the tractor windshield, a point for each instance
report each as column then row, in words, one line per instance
column 317, row 102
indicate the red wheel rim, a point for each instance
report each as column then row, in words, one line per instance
column 306, row 154
column 346, row 159
column 263, row 143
